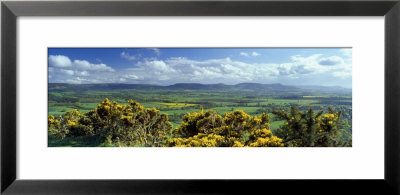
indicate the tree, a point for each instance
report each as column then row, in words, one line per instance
column 54, row 128
column 199, row 140
column 195, row 123
column 72, row 123
column 209, row 129
column 119, row 125
column 307, row 129
column 264, row 138
column 132, row 124
column 147, row 127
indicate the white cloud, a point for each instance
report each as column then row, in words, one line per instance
column 180, row 69
column 59, row 61
column 254, row 54
column 76, row 80
column 128, row 56
column 82, row 64
column 63, row 69
column 66, row 72
column 82, row 73
column 131, row 76
column 158, row 66
column 85, row 65
column 225, row 70
column 156, row 51
column 80, row 80
column 244, row 54
column 347, row 52
column 331, row 61
column 342, row 74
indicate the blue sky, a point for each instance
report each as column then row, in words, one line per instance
column 166, row 66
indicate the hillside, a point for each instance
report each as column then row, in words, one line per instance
column 245, row 87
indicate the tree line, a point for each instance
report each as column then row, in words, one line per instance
column 133, row 125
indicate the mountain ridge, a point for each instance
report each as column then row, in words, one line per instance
column 273, row 87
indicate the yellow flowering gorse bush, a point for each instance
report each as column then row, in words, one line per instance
column 134, row 125
column 209, row 129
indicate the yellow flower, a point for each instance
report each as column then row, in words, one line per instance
column 71, row 123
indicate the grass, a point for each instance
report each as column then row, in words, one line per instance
column 224, row 103
column 275, row 125
column 310, row 96
column 82, row 141
column 179, row 112
column 177, row 105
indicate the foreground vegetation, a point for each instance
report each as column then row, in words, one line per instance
column 180, row 99
column 133, row 125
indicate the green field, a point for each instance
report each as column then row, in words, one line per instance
column 178, row 102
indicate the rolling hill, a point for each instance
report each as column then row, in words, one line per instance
column 249, row 87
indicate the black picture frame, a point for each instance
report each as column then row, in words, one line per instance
column 11, row 10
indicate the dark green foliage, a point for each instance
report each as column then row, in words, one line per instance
column 254, row 99
column 309, row 129
column 117, row 125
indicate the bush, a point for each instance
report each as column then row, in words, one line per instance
column 209, row 129
column 120, row 125
column 309, row 129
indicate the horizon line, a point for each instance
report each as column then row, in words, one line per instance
column 206, row 84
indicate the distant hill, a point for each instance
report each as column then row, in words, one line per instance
column 103, row 86
column 257, row 87
column 198, row 86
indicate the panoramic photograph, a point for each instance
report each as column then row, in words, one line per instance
column 199, row 97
